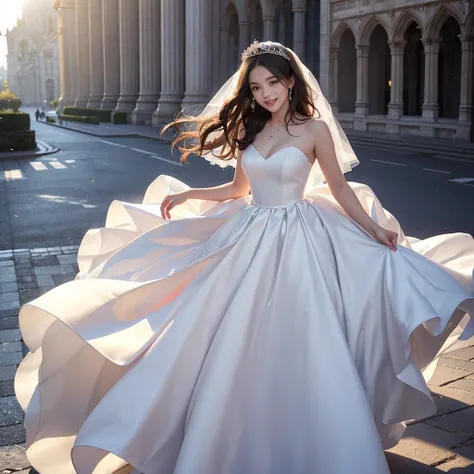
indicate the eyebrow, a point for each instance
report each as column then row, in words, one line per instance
column 269, row 78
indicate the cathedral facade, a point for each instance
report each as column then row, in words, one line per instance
column 392, row 67
column 151, row 58
column 33, row 59
column 401, row 67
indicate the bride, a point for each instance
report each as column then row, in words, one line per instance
column 289, row 330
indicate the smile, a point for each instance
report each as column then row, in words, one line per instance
column 269, row 103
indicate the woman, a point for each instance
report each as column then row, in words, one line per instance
column 290, row 331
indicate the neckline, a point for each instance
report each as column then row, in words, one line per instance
column 280, row 150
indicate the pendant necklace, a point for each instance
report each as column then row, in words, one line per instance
column 274, row 131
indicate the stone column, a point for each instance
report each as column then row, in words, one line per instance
column 96, row 54
column 150, row 61
column 324, row 46
column 129, row 56
column 430, row 104
column 395, row 107
column 67, row 53
column 224, row 54
column 244, row 35
column 111, row 52
column 269, row 28
column 198, row 60
column 83, row 53
column 334, row 97
column 362, row 103
column 299, row 28
column 172, row 60
column 467, row 71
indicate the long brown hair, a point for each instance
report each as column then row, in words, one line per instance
column 198, row 134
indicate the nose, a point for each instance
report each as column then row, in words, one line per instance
column 266, row 93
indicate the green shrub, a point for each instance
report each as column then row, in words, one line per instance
column 102, row 115
column 22, row 140
column 54, row 104
column 119, row 118
column 15, row 104
column 73, row 118
column 7, row 95
column 81, row 112
column 12, row 122
column 50, row 119
column 105, row 116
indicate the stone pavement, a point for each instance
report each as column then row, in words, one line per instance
column 442, row 443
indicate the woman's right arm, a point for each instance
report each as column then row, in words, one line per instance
column 237, row 188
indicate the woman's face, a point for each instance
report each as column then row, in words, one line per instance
column 267, row 90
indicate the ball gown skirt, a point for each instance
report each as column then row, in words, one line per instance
column 270, row 334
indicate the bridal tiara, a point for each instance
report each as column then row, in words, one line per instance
column 257, row 48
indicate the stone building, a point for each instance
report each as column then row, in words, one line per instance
column 149, row 58
column 32, row 59
column 399, row 67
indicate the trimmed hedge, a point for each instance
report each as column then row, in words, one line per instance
column 14, row 104
column 13, row 122
column 119, row 118
column 50, row 119
column 73, row 118
column 17, row 141
column 102, row 115
column 105, row 116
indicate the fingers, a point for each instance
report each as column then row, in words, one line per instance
column 393, row 240
column 163, row 207
column 166, row 207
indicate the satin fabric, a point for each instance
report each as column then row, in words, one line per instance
column 265, row 335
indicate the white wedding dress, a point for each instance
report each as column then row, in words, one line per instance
column 267, row 335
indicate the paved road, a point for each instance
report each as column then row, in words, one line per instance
column 52, row 201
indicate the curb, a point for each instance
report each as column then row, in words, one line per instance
column 43, row 149
column 111, row 135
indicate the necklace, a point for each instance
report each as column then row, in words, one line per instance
column 274, row 131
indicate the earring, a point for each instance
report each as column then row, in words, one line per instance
column 290, row 92
column 252, row 105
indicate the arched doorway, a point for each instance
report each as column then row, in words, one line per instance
column 413, row 71
column 50, row 90
column 347, row 73
column 449, row 70
column 379, row 71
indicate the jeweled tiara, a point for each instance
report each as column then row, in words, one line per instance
column 257, row 48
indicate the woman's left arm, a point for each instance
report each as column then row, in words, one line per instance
column 343, row 193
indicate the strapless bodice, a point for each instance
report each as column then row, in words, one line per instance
column 278, row 180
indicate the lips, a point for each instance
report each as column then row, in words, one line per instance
column 270, row 103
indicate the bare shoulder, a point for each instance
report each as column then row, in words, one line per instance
column 317, row 126
column 319, row 131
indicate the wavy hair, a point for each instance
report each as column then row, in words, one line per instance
column 222, row 130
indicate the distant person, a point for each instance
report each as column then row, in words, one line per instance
column 37, row 114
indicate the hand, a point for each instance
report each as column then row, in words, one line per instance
column 386, row 237
column 171, row 201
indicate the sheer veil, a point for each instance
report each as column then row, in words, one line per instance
column 346, row 156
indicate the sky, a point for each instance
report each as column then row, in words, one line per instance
column 10, row 11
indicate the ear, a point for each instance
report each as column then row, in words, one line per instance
column 291, row 81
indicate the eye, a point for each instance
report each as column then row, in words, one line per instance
column 272, row 83
column 254, row 88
